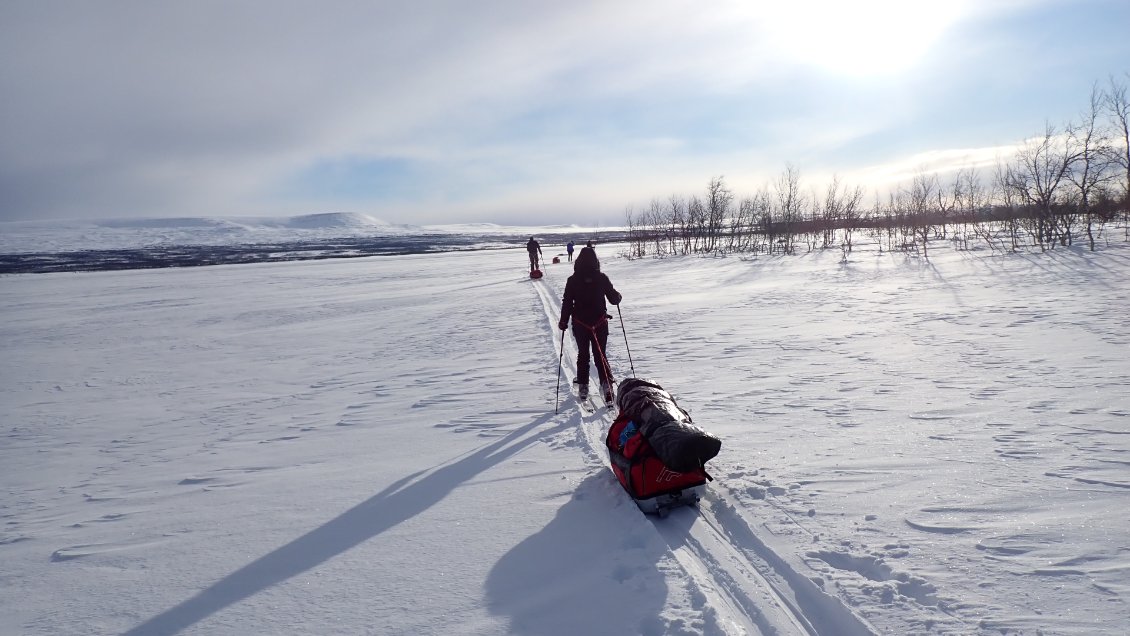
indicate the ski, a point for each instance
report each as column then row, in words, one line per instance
column 589, row 403
column 586, row 403
column 609, row 400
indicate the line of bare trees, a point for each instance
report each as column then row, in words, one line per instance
column 1061, row 186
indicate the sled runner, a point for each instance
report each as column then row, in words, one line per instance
column 655, row 450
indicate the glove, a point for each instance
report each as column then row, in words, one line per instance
column 563, row 325
column 616, row 298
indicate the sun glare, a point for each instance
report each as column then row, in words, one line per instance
column 862, row 38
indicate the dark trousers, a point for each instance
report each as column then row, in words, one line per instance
column 533, row 261
column 595, row 339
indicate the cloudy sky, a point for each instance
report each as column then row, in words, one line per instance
column 442, row 111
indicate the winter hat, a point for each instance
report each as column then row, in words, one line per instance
column 587, row 261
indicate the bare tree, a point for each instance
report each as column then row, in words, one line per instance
column 894, row 221
column 966, row 191
column 851, row 212
column 676, row 221
column 840, row 210
column 1040, row 169
column 696, row 223
column 636, row 236
column 810, row 223
column 1007, row 208
column 654, row 223
column 945, row 202
column 719, row 200
column 877, row 222
column 761, row 219
column 923, row 190
column 790, row 204
column 830, row 213
column 1118, row 107
column 741, row 225
column 1091, row 150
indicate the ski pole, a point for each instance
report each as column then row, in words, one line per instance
column 560, row 358
column 602, row 357
column 626, row 347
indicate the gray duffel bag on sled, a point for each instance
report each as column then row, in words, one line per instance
column 678, row 443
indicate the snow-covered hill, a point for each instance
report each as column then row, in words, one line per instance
column 370, row 446
column 17, row 237
column 75, row 235
column 326, row 221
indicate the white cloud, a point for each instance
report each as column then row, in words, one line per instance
column 861, row 38
column 156, row 108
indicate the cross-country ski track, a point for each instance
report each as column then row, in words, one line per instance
column 741, row 584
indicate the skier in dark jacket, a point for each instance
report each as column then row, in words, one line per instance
column 585, row 292
column 534, row 248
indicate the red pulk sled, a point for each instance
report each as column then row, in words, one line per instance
column 535, row 273
column 656, row 452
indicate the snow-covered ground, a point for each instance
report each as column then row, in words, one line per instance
column 369, row 446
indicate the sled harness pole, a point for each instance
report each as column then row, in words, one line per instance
column 602, row 359
column 560, row 358
column 626, row 347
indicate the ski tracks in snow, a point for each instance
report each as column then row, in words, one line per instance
column 736, row 582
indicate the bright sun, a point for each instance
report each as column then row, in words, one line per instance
column 861, row 38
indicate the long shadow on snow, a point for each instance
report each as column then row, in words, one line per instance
column 591, row 570
column 397, row 503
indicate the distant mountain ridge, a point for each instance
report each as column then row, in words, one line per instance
column 321, row 221
column 88, row 244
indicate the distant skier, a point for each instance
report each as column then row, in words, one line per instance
column 569, row 248
column 534, row 248
column 583, row 301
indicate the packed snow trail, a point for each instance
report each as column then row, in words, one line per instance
column 743, row 586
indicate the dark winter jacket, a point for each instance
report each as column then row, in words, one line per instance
column 586, row 290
